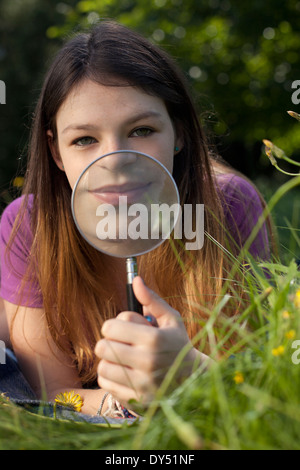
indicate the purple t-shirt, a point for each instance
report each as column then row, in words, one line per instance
column 242, row 210
column 243, row 207
column 14, row 263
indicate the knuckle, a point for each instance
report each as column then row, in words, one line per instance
column 99, row 348
column 107, row 327
column 101, row 368
column 126, row 316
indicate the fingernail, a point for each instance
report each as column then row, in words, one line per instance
column 151, row 320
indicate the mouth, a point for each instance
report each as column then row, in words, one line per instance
column 110, row 194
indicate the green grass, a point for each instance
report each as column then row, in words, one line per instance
column 212, row 409
column 249, row 399
column 286, row 217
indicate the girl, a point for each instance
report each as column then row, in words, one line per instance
column 110, row 89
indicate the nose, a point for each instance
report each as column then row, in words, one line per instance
column 117, row 160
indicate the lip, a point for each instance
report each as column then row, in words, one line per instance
column 110, row 194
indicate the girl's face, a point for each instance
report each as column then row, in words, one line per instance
column 96, row 119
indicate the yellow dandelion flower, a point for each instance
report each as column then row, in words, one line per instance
column 286, row 315
column 290, row 334
column 297, row 299
column 278, row 351
column 238, row 378
column 70, row 400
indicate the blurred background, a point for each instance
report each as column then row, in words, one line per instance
column 241, row 59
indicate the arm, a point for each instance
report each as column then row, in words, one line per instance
column 47, row 369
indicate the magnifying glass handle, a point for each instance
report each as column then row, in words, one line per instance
column 133, row 304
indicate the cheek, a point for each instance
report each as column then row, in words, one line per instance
column 166, row 157
column 164, row 149
column 170, row 149
column 72, row 174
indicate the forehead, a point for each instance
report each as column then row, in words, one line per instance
column 91, row 100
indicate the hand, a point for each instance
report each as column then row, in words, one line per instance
column 135, row 356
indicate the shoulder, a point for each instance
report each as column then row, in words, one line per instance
column 21, row 232
column 14, row 207
column 232, row 184
column 18, row 285
column 243, row 205
column 11, row 212
column 239, row 196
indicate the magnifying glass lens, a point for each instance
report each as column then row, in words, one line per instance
column 125, row 204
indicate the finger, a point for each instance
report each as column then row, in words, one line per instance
column 143, row 393
column 114, row 352
column 131, row 333
column 132, row 378
column 115, row 373
column 121, row 392
column 133, row 317
column 153, row 304
column 139, row 358
column 137, row 318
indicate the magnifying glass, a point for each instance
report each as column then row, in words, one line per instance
column 125, row 204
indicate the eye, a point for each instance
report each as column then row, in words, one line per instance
column 141, row 132
column 84, row 141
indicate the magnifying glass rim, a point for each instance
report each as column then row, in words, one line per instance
column 87, row 168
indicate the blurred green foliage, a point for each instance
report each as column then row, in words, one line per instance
column 240, row 57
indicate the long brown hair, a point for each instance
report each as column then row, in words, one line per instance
column 77, row 283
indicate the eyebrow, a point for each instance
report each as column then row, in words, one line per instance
column 92, row 127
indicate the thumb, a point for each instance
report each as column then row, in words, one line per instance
column 155, row 305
